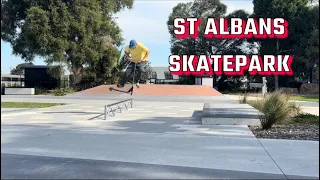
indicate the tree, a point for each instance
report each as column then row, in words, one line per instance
column 205, row 9
column 102, row 70
column 147, row 75
column 291, row 10
column 308, row 51
column 310, row 55
column 18, row 70
column 73, row 32
column 202, row 45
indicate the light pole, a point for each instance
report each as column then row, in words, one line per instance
column 264, row 87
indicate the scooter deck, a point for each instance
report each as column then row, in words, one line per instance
column 119, row 90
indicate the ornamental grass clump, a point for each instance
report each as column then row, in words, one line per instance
column 276, row 108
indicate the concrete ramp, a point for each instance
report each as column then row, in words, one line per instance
column 230, row 114
column 159, row 90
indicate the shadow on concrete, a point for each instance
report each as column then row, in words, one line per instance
column 158, row 124
column 15, row 110
column 70, row 112
column 21, row 166
column 31, row 167
column 79, row 113
column 99, row 115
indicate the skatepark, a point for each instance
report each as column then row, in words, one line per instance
column 168, row 131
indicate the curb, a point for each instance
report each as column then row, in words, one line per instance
column 16, row 114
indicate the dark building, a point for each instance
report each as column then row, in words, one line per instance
column 37, row 76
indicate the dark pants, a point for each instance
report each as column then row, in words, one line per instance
column 140, row 69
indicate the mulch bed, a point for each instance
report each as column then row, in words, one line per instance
column 291, row 131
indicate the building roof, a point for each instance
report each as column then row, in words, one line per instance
column 12, row 75
column 36, row 66
column 160, row 72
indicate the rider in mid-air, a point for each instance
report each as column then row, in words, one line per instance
column 139, row 57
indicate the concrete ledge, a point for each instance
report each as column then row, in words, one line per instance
column 230, row 114
column 229, row 121
column 19, row 91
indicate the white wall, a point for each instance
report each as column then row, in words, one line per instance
column 204, row 81
column 22, row 91
column 207, row 82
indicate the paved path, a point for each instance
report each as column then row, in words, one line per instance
column 14, row 110
column 152, row 140
column 33, row 167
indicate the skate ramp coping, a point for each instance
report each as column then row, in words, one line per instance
column 230, row 114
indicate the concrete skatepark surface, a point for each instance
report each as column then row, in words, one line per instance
column 230, row 113
column 155, row 139
column 13, row 110
column 60, row 168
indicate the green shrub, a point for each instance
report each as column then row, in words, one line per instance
column 59, row 92
column 306, row 118
column 276, row 108
column 40, row 91
column 62, row 92
column 69, row 90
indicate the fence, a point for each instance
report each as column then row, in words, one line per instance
column 51, row 84
column 163, row 81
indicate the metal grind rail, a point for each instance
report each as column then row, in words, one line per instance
column 128, row 103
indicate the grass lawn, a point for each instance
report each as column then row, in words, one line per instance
column 306, row 119
column 312, row 98
column 27, row 105
column 303, row 119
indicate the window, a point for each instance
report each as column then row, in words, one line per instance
column 6, row 79
column 168, row 75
